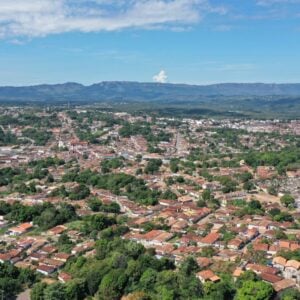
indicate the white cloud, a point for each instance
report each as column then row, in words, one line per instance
column 34, row 18
column 161, row 77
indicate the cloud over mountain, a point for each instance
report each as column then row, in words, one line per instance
column 161, row 77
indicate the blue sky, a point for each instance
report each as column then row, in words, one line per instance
column 186, row 41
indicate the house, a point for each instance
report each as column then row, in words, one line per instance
column 261, row 226
column 207, row 275
column 185, row 199
column 4, row 257
column 64, row 257
column 64, row 277
column 260, row 247
column 25, row 243
column 57, row 230
column 292, row 270
column 279, row 262
column 20, row 229
column 210, row 239
column 181, row 252
column 251, row 234
column 203, row 262
column 273, row 249
column 153, row 238
column 259, row 269
column 228, row 198
column 81, row 248
column 289, row 268
column 235, row 244
column 11, row 256
column 164, row 250
column 271, row 278
column 228, row 255
column 74, row 235
column 283, row 285
column 37, row 256
column 179, row 226
column 188, row 239
column 289, row 245
column 48, row 249
column 46, row 270
column 52, row 262
column 237, row 273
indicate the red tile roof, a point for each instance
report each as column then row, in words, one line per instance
column 293, row 264
column 210, row 238
column 262, row 269
column 270, row 277
column 283, row 285
column 279, row 260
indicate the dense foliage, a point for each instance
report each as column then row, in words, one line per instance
column 282, row 160
column 108, row 164
column 97, row 205
column 144, row 129
column 7, row 138
column 40, row 137
column 119, row 184
column 14, row 280
column 45, row 215
column 123, row 267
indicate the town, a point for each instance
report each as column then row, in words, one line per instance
column 88, row 194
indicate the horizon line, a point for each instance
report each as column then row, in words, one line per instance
column 150, row 82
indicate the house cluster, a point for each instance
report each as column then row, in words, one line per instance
column 216, row 232
column 217, row 236
column 41, row 253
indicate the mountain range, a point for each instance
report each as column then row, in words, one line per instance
column 136, row 91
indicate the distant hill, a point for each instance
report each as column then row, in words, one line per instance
column 135, row 91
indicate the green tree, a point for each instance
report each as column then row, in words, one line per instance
column 221, row 290
column 174, row 165
column 254, row 290
column 75, row 289
column 168, row 194
column 287, row 200
column 272, row 190
column 9, row 287
column 95, row 204
column 95, row 275
column 189, row 287
column 153, row 166
column 244, row 177
column 188, row 266
column 166, row 281
column 206, row 195
column 37, row 292
column 246, row 276
column 248, row 186
column 112, row 285
column 290, row 294
column 79, row 192
column 148, row 280
column 254, row 205
column 55, row 291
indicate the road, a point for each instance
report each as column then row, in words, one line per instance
column 24, row 296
